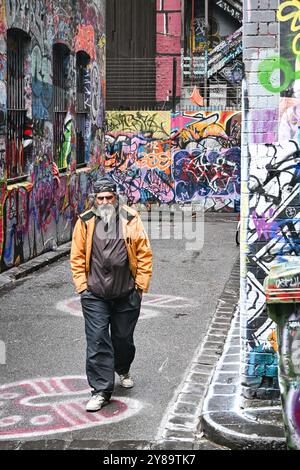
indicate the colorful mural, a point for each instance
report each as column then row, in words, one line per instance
column 206, row 155
column 165, row 158
column 138, row 155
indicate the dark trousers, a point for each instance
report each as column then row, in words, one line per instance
column 109, row 349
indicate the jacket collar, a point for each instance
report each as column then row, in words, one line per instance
column 125, row 213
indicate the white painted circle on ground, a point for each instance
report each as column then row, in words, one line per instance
column 151, row 305
column 63, row 400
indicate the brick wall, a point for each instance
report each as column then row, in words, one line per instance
column 168, row 44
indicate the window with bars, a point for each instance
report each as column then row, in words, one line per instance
column 17, row 53
column 61, row 59
column 82, row 105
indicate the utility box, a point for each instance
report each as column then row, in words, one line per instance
column 282, row 288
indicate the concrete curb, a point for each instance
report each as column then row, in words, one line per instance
column 224, row 421
column 98, row 444
column 9, row 277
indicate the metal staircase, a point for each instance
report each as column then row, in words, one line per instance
column 220, row 69
column 224, row 53
column 233, row 7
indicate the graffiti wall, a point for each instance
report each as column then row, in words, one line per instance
column 38, row 207
column 165, row 158
column 206, row 158
column 138, row 155
column 273, row 226
column 270, row 205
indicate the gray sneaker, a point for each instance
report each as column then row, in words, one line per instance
column 96, row 402
column 126, row 381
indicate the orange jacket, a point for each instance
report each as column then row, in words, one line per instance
column 136, row 241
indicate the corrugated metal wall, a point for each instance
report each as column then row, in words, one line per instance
column 131, row 47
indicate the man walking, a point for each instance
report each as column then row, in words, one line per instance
column 111, row 263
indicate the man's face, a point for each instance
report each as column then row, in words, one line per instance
column 105, row 198
column 105, row 208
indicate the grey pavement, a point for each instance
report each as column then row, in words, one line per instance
column 179, row 339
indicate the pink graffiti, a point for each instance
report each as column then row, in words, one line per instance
column 52, row 405
column 296, row 411
column 262, row 225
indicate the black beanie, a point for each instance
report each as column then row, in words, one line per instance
column 104, row 184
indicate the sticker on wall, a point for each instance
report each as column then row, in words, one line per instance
column 44, row 406
column 151, row 305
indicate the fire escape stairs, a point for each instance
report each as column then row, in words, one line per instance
column 223, row 63
column 229, row 49
column 233, row 7
column 224, row 53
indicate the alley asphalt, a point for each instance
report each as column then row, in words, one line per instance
column 179, row 341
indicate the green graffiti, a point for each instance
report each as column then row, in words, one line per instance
column 65, row 151
column 268, row 66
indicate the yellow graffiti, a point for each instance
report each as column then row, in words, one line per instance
column 154, row 158
column 273, row 340
column 155, row 123
column 291, row 15
column 102, row 42
column 204, row 129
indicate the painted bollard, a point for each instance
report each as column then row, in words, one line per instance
column 282, row 287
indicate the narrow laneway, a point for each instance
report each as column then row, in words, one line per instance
column 43, row 382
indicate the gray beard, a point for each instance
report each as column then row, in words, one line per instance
column 107, row 213
column 108, row 216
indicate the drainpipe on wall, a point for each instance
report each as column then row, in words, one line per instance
column 183, row 3
column 206, row 55
column 174, row 85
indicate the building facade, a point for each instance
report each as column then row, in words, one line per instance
column 148, row 39
column 52, row 79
